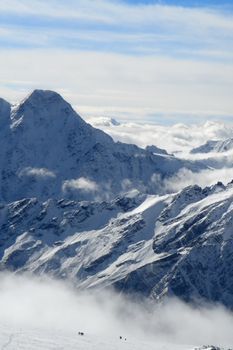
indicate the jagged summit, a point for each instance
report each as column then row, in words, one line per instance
column 104, row 121
column 218, row 146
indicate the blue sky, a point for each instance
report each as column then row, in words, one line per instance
column 126, row 58
column 186, row 3
column 87, row 27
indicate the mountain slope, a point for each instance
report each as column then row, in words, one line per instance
column 48, row 151
column 178, row 244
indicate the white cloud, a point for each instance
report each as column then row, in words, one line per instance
column 37, row 172
column 82, row 184
column 180, row 139
column 144, row 86
column 116, row 12
column 28, row 302
column 203, row 178
column 209, row 31
column 95, row 79
column 174, row 138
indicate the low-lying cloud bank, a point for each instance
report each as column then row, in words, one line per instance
column 186, row 177
column 179, row 139
column 174, row 138
column 40, row 302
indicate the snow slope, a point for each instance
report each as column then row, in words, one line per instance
column 13, row 337
column 179, row 244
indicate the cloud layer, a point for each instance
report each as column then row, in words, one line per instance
column 178, row 139
column 174, row 138
column 134, row 61
column 204, row 178
column 31, row 302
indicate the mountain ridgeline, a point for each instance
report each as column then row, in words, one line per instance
column 49, row 151
column 152, row 246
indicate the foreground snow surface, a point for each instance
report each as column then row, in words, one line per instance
column 14, row 337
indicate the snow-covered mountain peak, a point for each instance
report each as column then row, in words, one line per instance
column 43, row 97
column 99, row 122
column 218, row 146
column 43, row 106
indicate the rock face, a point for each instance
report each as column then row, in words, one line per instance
column 174, row 245
column 49, row 151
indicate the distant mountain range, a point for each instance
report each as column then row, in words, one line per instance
column 218, row 146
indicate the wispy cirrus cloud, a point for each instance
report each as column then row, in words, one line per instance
column 120, row 85
column 119, row 56
column 147, row 28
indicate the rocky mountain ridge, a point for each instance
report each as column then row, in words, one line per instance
column 156, row 246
